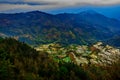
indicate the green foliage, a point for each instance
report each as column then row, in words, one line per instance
column 18, row 61
column 1, row 39
column 109, row 72
column 12, row 54
column 72, row 71
column 6, row 68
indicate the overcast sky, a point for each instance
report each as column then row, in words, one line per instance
column 58, row 6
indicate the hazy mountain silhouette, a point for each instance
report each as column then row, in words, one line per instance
column 38, row 27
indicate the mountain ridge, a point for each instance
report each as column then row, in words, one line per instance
column 38, row 27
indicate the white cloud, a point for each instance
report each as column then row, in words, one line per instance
column 74, row 2
column 26, row 7
column 51, row 4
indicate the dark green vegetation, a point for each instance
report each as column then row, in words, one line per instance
column 114, row 41
column 18, row 61
column 39, row 28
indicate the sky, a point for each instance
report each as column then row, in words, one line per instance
column 110, row 8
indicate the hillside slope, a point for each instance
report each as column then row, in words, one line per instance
column 39, row 28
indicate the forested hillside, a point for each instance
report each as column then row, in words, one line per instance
column 18, row 61
column 38, row 27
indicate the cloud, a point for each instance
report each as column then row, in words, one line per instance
column 6, row 5
column 81, row 2
column 18, row 2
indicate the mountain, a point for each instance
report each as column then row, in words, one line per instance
column 96, row 19
column 39, row 28
column 114, row 41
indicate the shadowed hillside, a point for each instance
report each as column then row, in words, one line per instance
column 40, row 28
column 18, row 61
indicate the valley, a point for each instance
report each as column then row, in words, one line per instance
column 67, row 46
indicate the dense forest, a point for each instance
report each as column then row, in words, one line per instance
column 18, row 61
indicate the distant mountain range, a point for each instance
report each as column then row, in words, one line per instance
column 39, row 28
